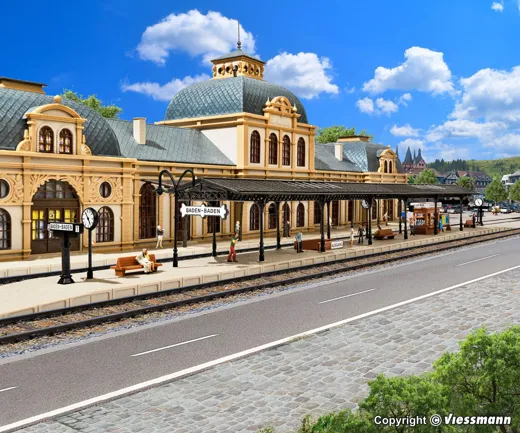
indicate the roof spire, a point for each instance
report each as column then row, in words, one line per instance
column 239, row 44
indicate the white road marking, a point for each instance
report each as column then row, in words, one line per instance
column 175, row 345
column 7, row 389
column 478, row 260
column 346, row 296
column 206, row 365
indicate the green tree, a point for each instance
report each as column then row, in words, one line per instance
column 484, row 377
column 332, row 133
column 406, row 396
column 466, row 182
column 93, row 102
column 411, row 179
column 496, row 191
column 514, row 191
column 427, row 177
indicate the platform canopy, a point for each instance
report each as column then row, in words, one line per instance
column 233, row 189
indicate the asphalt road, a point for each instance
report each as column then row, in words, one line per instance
column 72, row 374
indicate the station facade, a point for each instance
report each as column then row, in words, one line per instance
column 58, row 157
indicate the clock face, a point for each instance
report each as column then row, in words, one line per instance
column 89, row 218
column 478, row 202
column 364, row 203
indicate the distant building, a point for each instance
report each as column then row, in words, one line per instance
column 414, row 165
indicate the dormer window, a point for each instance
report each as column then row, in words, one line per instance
column 65, row 141
column 46, row 140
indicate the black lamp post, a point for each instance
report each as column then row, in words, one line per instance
column 173, row 190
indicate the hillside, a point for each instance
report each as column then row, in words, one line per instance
column 497, row 167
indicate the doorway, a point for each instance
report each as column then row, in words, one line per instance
column 55, row 201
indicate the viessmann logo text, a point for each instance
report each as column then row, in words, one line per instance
column 437, row 420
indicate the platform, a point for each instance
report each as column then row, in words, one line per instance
column 44, row 294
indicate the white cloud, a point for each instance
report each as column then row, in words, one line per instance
column 492, row 95
column 448, row 152
column 497, row 7
column 509, row 143
column 386, row 107
column 423, row 70
column 366, row 105
column 461, row 128
column 208, row 36
column 305, row 74
column 166, row 91
column 404, row 99
column 404, row 131
column 377, row 107
column 350, row 90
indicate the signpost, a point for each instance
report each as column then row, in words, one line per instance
column 204, row 211
column 66, row 231
column 336, row 244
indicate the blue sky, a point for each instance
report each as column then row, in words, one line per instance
column 439, row 75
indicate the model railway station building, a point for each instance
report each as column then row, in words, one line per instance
column 58, row 157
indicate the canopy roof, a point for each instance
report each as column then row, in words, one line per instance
column 280, row 190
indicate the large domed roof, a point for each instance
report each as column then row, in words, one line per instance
column 226, row 96
column 15, row 103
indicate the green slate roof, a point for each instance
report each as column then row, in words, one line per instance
column 236, row 53
column 227, row 96
column 15, row 103
column 358, row 156
column 169, row 144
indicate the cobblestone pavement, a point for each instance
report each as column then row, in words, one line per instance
column 325, row 372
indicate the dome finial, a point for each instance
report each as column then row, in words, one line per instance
column 239, row 44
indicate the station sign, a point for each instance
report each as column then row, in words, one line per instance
column 205, row 211
column 336, row 244
column 426, row 205
column 65, row 227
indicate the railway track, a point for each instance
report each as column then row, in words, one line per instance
column 49, row 323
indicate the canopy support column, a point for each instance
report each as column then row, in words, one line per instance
column 277, row 210
column 214, row 227
column 369, row 221
column 461, row 225
column 435, row 217
column 405, row 201
column 400, row 211
column 328, row 220
column 322, row 240
column 261, row 204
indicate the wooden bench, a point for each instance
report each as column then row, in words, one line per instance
column 385, row 233
column 124, row 264
column 468, row 223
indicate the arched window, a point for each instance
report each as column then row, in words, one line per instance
column 105, row 228
column 254, row 218
column 386, row 167
column 317, row 213
column 65, row 141
column 255, row 148
column 147, row 212
column 46, row 140
column 272, row 216
column 286, row 214
column 273, row 149
column 5, row 230
column 300, row 151
column 300, row 215
column 286, row 150
column 390, row 169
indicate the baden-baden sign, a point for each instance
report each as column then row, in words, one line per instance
column 204, row 211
